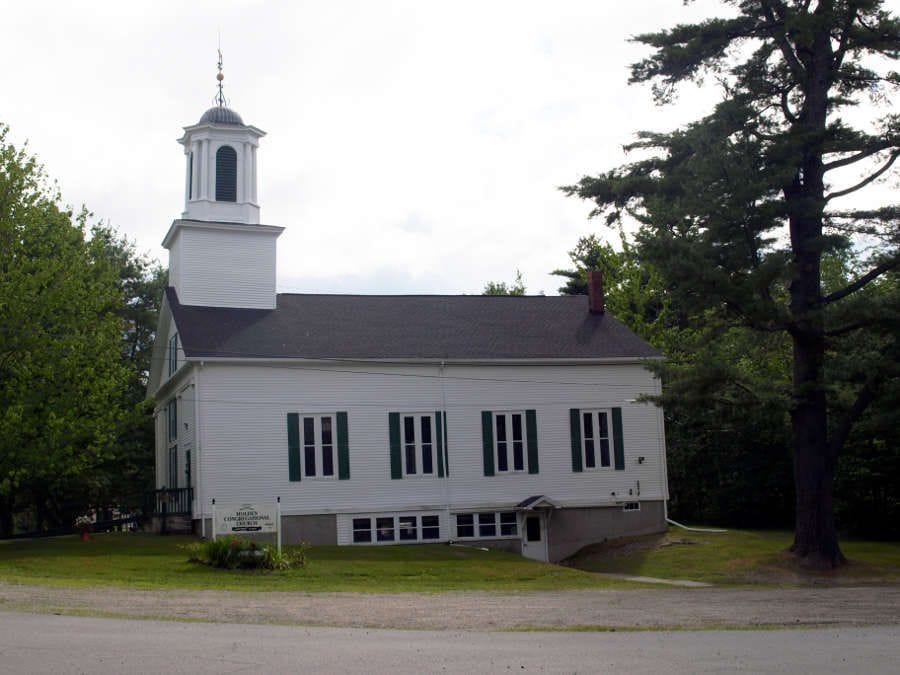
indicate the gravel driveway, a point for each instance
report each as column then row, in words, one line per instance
column 641, row 608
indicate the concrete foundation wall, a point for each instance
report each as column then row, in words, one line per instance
column 317, row 529
column 570, row 529
column 511, row 545
column 573, row 529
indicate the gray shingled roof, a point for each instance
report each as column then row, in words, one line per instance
column 452, row 327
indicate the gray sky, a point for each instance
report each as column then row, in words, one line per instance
column 412, row 147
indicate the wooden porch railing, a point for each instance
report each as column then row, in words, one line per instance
column 169, row 502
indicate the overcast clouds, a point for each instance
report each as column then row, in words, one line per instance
column 412, row 147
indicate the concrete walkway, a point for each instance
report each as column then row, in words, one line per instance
column 685, row 583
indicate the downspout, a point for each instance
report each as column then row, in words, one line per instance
column 197, row 446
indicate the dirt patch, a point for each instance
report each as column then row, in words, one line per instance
column 626, row 609
column 628, row 546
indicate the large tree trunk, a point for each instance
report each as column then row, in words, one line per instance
column 815, row 536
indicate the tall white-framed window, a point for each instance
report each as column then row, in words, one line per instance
column 317, row 443
column 173, row 354
column 595, row 439
column 172, row 442
column 509, row 441
column 417, row 435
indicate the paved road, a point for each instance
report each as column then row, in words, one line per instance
column 32, row 643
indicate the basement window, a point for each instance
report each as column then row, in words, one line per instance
column 631, row 506
column 396, row 528
column 491, row 525
column 362, row 530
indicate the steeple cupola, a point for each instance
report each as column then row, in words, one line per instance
column 220, row 180
column 219, row 254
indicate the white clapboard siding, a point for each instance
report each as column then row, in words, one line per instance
column 244, row 434
column 224, row 267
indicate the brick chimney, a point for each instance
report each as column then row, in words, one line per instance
column 596, row 299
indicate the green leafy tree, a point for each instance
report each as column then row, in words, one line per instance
column 61, row 375
column 738, row 208
column 635, row 292
column 517, row 287
column 127, row 472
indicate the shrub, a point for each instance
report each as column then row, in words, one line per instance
column 232, row 553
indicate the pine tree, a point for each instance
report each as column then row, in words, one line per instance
column 738, row 208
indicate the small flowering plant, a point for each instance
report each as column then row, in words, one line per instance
column 234, row 553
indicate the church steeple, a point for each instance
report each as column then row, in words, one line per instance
column 220, row 150
column 219, row 254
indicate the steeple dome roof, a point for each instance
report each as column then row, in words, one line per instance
column 221, row 115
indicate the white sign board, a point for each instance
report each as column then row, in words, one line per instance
column 246, row 519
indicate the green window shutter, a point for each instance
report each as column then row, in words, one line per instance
column 531, row 440
column 394, row 430
column 343, row 445
column 618, row 440
column 487, row 438
column 439, row 445
column 446, row 450
column 293, row 431
column 575, row 433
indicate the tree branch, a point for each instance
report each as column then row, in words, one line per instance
column 786, row 50
column 838, row 163
column 845, row 40
column 866, row 181
column 864, row 397
column 862, row 281
column 843, row 330
column 785, row 107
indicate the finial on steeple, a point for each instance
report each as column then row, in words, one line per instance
column 220, row 95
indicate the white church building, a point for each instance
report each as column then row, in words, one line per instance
column 511, row 422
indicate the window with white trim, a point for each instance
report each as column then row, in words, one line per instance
column 487, row 525
column 396, row 528
column 431, row 528
column 418, row 443
column 173, row 354
column 509, row 524
column 362, row 530
column 595, row 439
column 631, row 506
column 172, row 442
column 384, row 529
column 317, row 446
column 509, row 442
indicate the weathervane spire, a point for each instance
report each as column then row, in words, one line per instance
column 220, row 95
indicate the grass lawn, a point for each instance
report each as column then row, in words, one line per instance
column 153, row 562
column 737, row 557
